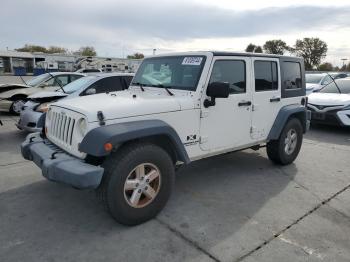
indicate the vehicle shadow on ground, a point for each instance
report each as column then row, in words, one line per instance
column 9, row 141
column 213, row 200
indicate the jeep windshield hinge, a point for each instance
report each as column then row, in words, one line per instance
column 101, row 118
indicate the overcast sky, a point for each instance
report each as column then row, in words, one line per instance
column 117, row 28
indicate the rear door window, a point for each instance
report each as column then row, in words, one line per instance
column 108, row 84
column 266, row 76
column 126, row 81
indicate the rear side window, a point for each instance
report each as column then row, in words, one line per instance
column 127, row 81
column 74, row 77
column 108, row 84
column 292, row 75
column 62, row 80
column 232, row 72
column 266, row 77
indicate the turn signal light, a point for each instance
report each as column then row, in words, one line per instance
column 108, row 147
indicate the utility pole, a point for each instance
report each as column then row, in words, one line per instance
column 344, row 59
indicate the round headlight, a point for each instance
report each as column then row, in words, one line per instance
column 42, row 108
column 82, row 123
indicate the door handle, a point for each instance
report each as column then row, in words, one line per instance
column 245, row 103
column 275, row 99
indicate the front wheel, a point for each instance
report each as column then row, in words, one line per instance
column 286, row 149
column 17, row 106
column 137, row 182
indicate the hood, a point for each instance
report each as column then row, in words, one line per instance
column 19, row 90
column 47, row 96
column 128, row 103
column 7, row 87
column 328, row 99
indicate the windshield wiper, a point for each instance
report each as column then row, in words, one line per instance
column 140, row 85
column 333, row 80
column 55, row 80
column 166, row 88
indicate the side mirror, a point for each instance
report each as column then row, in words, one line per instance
column 216, row 90
column 90, row 91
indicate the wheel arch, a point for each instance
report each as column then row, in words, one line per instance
column 283, row 116
column 16, row 96
column 153, row 131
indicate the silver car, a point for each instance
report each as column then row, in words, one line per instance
column 13, row 96
column 89, row 85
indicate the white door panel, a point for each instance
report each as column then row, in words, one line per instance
column 266, row 98
column 227, row 124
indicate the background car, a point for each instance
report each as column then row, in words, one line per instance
column 316, row 80
column 331, row 105
column 88, row 70
column 88, row 85
column 13, row 96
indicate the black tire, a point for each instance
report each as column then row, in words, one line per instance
column 276, row 148
column 117, row 169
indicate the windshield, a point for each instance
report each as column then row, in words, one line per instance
column 77, row 84
column 177, row 72
column 313, row 78
column 39, row 79
column 343, row 84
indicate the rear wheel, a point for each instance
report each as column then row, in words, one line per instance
column 137, row 182
column 286, row 149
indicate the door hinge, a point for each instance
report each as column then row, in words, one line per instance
column 203, row 139
column 204, row 113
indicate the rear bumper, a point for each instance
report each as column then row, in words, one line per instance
column 60, row 167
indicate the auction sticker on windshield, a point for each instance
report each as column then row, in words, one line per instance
column 192, row 60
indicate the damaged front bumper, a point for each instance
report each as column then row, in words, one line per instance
column 58, row 166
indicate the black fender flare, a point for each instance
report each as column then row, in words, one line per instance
column 41, row 120
column 282, row 117
column 117, row 134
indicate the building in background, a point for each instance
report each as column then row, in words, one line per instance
column 25, row 63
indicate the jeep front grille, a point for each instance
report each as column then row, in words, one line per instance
column 62, row 130
column 62, row 127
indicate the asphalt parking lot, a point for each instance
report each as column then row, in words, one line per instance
column 236, row 207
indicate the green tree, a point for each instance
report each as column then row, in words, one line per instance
column 86, row 51
column 326, row 67
column 313, row 50
column 57, row 50
column 136, row 56
column 277, row 47
column 258, row 49
column 253, row 48
column 32, row 48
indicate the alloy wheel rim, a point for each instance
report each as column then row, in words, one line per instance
column 142, row 185
column 290, row 142
column 17, row 106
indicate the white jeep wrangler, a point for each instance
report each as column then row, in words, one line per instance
column 179, row 108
